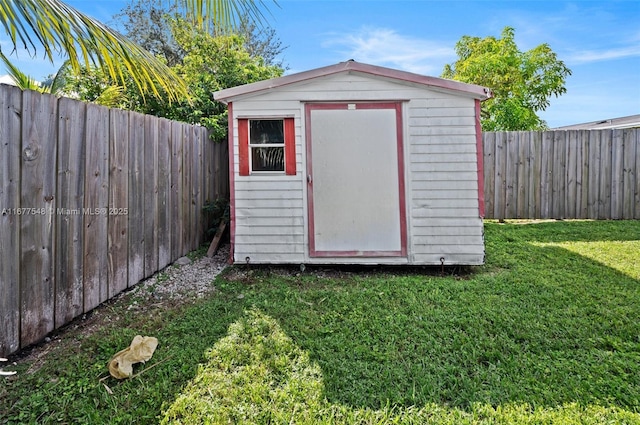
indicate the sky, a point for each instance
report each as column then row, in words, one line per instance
column 598, row 40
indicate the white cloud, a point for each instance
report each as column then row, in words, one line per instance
column 386, row 47
column 588, row 56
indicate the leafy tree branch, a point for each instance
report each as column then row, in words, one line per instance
column 522, row 82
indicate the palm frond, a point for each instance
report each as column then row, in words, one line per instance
column 223, row 14
column 22, row 80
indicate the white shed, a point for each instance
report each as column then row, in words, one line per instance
column 356, row 164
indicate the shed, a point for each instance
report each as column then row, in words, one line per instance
column 356, row 164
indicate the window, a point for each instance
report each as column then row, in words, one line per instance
column 267, row 145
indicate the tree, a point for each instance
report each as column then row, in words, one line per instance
column 211, row 64
column 214, row 63
column 522, row 82
column 261, row 41
column 95, row 86
column 59, row 28
column 149, row 24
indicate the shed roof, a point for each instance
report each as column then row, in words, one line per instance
column 632, row 121
column 351, row 66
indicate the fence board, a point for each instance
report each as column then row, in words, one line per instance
column 617, row 175
column 187, row 154
column 511, row 174
column 150, row 195
column 96, row 203
column 176, row 189
column 594, row 175
column 10, row 136
column 572, row 155
column 118, row 250
column 546, row 175
column 38, row 189
column 628, row 159
column 604, row 204
column 136, row 199
column 196, row 188
column 69, row 298
column 488, row 147
column 221, row 173
column 163, row 195
column 558, row 175
column 582, row 195
column 208, row 194
column 500, row 173
column 535, row 141
column 523, row 174
column 212, row 149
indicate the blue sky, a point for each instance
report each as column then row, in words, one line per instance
column 598, row 40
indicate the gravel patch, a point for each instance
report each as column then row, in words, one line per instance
column 184, row 279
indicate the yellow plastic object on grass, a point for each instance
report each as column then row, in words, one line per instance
column 140, row 350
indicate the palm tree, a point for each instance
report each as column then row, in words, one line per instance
column 60, row 29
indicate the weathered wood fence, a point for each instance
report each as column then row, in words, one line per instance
column 92, row 201
column 579, row 174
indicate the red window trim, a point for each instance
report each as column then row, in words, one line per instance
column 289, row 146
column 243, row 146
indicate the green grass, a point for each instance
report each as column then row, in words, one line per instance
column 546, row 332
column 619, row 255
column 257, row 375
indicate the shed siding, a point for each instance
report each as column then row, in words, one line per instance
column 445, row 219
column 440, row 157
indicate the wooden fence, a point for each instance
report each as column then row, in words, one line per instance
column 92, row 201
column 580, row 174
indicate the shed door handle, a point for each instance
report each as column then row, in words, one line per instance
column 309, row 179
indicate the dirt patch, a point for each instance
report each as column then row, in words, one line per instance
column 248, row 273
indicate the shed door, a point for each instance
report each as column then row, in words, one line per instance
column 356, row 180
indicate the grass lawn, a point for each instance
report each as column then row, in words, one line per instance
column 547, row 332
